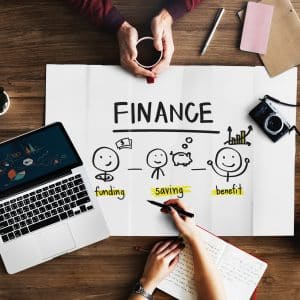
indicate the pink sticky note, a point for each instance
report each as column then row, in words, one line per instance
column 257, row 26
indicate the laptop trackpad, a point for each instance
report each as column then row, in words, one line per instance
column 55, row 241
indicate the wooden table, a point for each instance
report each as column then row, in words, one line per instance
column 34, row 33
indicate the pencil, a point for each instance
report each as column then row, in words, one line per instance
column 215, row 25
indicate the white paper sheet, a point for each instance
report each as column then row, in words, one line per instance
column 93, row 101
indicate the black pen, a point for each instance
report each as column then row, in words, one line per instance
column 179, row 210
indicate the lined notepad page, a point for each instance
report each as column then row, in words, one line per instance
column 240, row 271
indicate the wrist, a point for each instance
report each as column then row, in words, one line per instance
column 148, row 285
column 124, row 27
column 192, row 236
column 165, row 16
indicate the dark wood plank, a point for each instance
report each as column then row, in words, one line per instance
column 34, row 33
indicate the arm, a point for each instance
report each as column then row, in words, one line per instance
column 210, row 163
column 104, row 15
column 208, row 283
column 247, row 160
column 178, row 8
column 100, row 12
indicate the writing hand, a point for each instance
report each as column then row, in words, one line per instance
column 160, row 263
column 127, row 37
column 185, row 225
column 161, row 27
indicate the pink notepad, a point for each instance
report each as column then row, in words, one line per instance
column 257, row 26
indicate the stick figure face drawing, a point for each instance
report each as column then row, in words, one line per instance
column 228, row 159
column 157, row 158
column 106, row 159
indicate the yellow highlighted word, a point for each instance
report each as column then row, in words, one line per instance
column 170, row 190
column 234, row 191
column 111, row 192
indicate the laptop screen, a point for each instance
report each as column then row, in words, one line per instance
column 35, row 157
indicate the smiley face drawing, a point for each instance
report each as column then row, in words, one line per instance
column 156, row 159
column 107, row 160
column 229, row 161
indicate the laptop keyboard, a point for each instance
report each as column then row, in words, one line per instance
column 45, row 206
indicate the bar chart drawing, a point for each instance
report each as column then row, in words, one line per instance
column 238, row 139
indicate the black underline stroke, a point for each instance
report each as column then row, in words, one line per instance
column 135, row 169
column 200, row 169
column 167, row 130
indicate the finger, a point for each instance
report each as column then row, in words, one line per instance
column 164, row 246
column 173, row 263
column 157, row 33
column 173, row 254
column 136, row 70
column 168, row 50
column 176, row 218
column 165, row 210
column 178, row 203
column 161, row 67
column 154, row 248
column 171, row 248
column 132, row 49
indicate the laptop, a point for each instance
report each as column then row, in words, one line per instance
column 46, row 208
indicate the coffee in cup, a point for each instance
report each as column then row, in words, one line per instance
column 148, row 56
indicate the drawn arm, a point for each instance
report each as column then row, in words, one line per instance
column 247, row 160
column 210, row 163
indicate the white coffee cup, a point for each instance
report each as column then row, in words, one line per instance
column 155, row 62
column 4, row 102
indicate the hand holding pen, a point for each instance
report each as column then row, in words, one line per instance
column 186, row 225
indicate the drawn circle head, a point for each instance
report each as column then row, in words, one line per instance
column 157, row 158
column 106, row 159
column 228, row 159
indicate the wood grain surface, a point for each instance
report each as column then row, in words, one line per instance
column 34, row 33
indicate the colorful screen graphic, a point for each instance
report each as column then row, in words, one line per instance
column 34, row 156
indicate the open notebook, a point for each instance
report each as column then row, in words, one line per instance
column 240, row 271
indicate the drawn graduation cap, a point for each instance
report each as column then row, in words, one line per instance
column 4, row 101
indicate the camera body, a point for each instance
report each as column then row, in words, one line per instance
column 269, row 120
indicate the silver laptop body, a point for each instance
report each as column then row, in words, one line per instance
column 46, row 204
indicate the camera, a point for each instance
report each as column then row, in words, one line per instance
column 269, row 120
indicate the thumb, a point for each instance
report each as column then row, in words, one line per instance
column 176, row 218
column 132, row 49
column 157, row 36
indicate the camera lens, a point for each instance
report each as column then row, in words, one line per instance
column 273, row 124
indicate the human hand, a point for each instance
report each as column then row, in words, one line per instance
column 185, row 225
column 161, row 27
column 127, row 37
column 160, row 263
